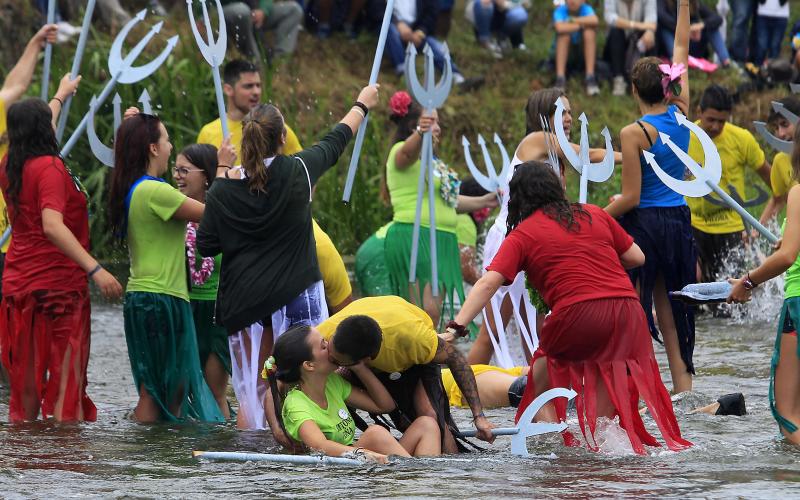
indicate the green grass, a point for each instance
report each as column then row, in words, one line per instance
column 318, row 84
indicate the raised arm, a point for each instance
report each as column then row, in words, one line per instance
column 66, row 89
column 680, row 55
column 19, row 78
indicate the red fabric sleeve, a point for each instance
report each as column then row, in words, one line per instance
column 510, row 257
column 50, row 184
column 621, row 239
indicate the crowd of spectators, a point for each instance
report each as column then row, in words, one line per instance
column 739, row 33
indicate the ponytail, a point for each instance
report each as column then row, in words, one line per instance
column 261, row 138
column 277, row 400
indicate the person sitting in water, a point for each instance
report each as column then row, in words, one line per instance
column 398, row 341
column 315, row 409
column 497, row 387
column 596, row 339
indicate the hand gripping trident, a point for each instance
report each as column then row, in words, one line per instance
column 103, row 153
column 706, row 178
column 213, row 52
column 595, row 172
column 774, row 142
column 123, row 70
column 493, row 181
column 430, row 97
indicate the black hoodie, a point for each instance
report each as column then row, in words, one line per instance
column 266, row 240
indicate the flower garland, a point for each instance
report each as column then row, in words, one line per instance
column 207, row 265
column 450, row 183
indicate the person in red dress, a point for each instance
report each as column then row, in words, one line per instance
column 596, row 340
column 44, row 315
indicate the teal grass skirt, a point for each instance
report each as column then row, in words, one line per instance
column 372, row 274
column 162, row 347
column 790, row 314
column 397, row 245
column 211, row 339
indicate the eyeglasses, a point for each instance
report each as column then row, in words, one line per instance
column 183, row 172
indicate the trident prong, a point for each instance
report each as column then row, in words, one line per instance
column 123, row 71
column 487, row 183
column 781, row 110
column 595, row 172
column 706, row 179
column 144, row 100
column 430, row 97
column 519, row 444
column 505, row 158
column 552, row 153
column 493, row 181
column 213, row 52
column 103, row 153
column 774, row 142
column 117, row 102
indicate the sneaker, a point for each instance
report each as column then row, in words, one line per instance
column 561, row 83
column 620, row 88
column 492, row 48
column 522, row 47
column 592, row 89
column 468, row 84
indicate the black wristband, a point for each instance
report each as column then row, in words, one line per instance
column 456, row 329
column 95, row 270
column 363, row 107
column 59, row 101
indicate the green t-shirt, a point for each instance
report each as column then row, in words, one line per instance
column 335, row 421
column 208, row 290
column 402, row 186
column 156, row 240
column 466, row 231
column 791, row 281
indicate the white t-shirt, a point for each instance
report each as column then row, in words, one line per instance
column 406, row 11
column 773, row 8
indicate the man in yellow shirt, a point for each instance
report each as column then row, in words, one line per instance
column 398, row 340
column 719, row 230
column 242, row 89
column 781, row 177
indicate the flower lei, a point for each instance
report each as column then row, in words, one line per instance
column 450, row 183
column 207, row 265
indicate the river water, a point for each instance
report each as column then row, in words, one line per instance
column 114, row 457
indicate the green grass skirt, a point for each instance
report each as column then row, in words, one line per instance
column 397, row 247
column 162, row 347
column 211, row 339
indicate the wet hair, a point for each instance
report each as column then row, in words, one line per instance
column 30, row 134
column 716, row 97
column 291, row 350
column 232, row 72
column 646, row 78
column 202, row 156
column 796, row 155
column 535, row 186
column 404, row 127
column 790, row 102
column 540, row 102
column 358, row 337
column 261, row 134
column 131, row 158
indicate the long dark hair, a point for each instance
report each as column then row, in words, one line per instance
column 535, row 186
column 291, row 350
column 202, row 156
column 540, row 103
column 131, row 158
column 30, row 134
column 261, row 134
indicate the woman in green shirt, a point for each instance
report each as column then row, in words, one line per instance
column 784, row 387
column 315, row 409
column 151, row 216
column 401, row 179
column 194, row 171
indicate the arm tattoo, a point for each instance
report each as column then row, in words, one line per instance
column 463, row 375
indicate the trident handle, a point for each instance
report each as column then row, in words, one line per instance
column 76, row 67
column 500, row 431
column 741, row 211
column 223, row 116
column 373, row 79
column 48, row 50
column 81, row 128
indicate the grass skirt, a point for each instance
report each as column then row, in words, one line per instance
column 162, row 347
column 211, row 339
column 40, row 331
column 371, row 272
column 397, row 245
column 606, row 340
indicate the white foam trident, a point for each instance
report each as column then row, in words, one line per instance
column 595, row 172
column 706, row 178
column 213, row 52
column 493, row 181
column 103, row 153
column 122, row 69
column 430, row 96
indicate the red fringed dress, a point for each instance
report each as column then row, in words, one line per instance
column 44, row 315
column 597, row 330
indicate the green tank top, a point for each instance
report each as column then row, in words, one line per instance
column 791, row 284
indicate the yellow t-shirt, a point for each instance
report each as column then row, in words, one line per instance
column 331, row 265
column 738, row 150
column 466, row 231
column 454, row 393
column 211, row 133
column 409, row 338
column 3, row 151
column 781, row 174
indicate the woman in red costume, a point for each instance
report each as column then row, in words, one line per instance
column 596, row 340
column 44, row 315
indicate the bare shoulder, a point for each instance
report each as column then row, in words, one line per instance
column 531, row 147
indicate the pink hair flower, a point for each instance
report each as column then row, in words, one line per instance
column 399, row 103
column 671, row 82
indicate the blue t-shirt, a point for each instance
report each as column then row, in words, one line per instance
column 562, row 14
column 654, row 192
